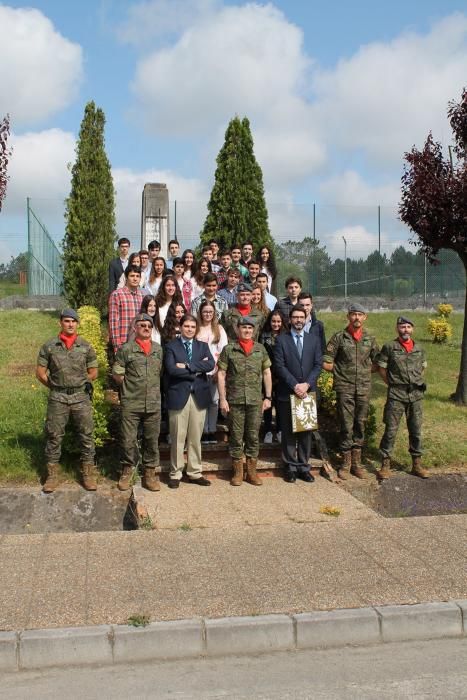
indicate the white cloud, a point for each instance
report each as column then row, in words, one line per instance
column 155, row 19
column 360, row 242
column 42, row 69
column 349, row 188
column 238, row 60
column 389, row 95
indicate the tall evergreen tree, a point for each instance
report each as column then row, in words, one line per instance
column 237, row 208
column 90, row 215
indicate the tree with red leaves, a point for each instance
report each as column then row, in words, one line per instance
column 5, row 154
column 434, row 206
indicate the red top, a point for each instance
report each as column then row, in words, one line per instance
column 68, row 339
column 356, row 335
column 123, row 307
column 406, row 344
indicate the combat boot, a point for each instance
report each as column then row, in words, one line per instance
column 237, row 478
column 52, row 482
column 125, row 479
column 89, row 476
column 417, row 469
column 356, row 469
column 385, row 471
column 251, row 475
column 150, row 481
column 344, row 470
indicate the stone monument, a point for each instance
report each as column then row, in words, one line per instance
column 155, row 216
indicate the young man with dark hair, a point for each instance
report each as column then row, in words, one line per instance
column 226, row 265
column 312, row 325
column 154, row 248
column 124, row 305
column 237, row 260
column 145, row 267
column 174, row 252
column 247, row 253
column 207, row 254
column 210, row 294
column 253, row 271
column 228, row 291
column 270, row 299
column 293, row 286
column 118, row 266
column 214, row 245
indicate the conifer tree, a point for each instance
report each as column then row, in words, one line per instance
column 90, row 235
column 237, row 208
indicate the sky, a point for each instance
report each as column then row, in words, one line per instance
column 335, row 93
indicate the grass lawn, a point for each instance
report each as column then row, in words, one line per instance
column 8, row 289
column 22, row 409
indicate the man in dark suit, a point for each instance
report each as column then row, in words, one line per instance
column 118, row 266
column 297, row 364
column 187, row 361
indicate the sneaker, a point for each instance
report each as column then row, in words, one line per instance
column 279, row 436
column 212, row 438
column 205, row 439
column 268, row 438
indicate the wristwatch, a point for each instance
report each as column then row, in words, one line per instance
column 268, row 398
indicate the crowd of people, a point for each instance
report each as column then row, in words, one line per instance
column 194, row 337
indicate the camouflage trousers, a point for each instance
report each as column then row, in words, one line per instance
column 393, row 412
column 352, row 412
column 244, row 425
column 129, row 424
column 58, row 415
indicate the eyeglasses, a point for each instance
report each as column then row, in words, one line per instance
column 208, row 311
column 144, row 325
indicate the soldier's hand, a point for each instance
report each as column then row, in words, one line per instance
column 224, row 406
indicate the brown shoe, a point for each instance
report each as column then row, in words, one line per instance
column 125, row 479
column 344, row 470
column 52, row 482
column 150, row 481
column 89, row 476
column 385, row 471
column 237, row 478
column 417, row 469
column 356, row 469
column 251, row 475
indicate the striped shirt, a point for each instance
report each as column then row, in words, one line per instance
column 123, row 307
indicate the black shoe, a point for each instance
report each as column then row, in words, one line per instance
column 201, row 481
column 290, row 477
column 306, row 476
column 205, row 439
column 174, row 483
column 212, row 438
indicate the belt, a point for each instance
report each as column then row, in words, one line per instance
column 68, row 389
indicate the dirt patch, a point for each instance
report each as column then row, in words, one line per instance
column 19, row 369
column 405, row 496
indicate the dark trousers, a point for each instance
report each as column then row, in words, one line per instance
column 296, row 447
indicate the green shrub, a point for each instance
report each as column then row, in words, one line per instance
column 439, row 329
column 327, row 393
column 445, row 310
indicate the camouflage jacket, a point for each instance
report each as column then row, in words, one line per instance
column 230, row 320
column 244, row 373
column 404, row 371
column 141, row 389
column 352, row 361
column 67, row 369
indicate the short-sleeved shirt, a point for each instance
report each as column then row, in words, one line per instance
column 352, row 361
column 67, row 369
column 140, row 390
column 230, row 320
column 244, row 373
column 404, row 370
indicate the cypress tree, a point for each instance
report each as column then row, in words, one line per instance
column 90, row 235
column 237, row 208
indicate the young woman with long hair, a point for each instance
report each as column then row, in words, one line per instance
column 257, row 300
column 171, row 328
column 157, row 274
column 267, row 261
column 212, row 333
column 134, row 259
column 169, row 292
column 274, row 326
column 203, row 267
column 189, row 274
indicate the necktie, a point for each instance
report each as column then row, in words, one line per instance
column 299, row 346
column 187, row 345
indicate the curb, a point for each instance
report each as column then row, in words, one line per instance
column 204, row 637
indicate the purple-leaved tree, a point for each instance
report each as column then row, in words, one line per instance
column 434, row 206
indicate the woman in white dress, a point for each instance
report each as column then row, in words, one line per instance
column 134, row 259
column 212, row 333
column 169, row 292
column 157, row 274
column 188, row 290
column 267, row 261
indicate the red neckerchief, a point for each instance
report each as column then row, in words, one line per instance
column 244, row 310
column 145, row 345
column 68, row 339
column 246, row 345
column 406, row 344
column 356, row 335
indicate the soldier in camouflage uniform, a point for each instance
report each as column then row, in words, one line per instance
column 350, row 355
column 137, row 369
column 243, row 367
column 66, row 365
column 401, row 364
column 243, row 307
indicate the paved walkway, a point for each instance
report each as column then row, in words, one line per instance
column 239, row 552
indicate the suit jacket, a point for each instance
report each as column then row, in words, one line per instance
column 183, row 381
column 115, row 272
column 288, row 367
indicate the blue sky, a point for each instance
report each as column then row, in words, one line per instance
column 335, row 92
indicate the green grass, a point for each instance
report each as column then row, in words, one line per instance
column 8, row 289
column 23, row 404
